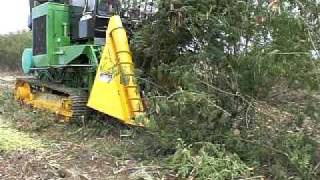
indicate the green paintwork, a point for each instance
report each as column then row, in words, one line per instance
column 68, row 54
column 41, row 61
column 91, row 53
column 61, row 52
column 27, row 62
column 57, row 31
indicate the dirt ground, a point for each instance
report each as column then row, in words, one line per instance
column 55, row 158
column 62, row 151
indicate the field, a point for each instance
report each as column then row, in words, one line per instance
column 34, row 146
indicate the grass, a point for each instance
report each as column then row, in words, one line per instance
column 104, row 137
column 107, row 139
column 12, row 140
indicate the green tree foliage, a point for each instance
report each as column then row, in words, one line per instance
column 204, row 62
column 11, row 48
column 207, row 161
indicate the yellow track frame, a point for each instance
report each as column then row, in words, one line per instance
column 43, row 100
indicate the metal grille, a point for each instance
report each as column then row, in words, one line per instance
column 39, row 35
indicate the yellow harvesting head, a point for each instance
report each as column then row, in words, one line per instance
column 115, row 91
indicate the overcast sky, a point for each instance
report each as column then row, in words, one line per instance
column 13, row 15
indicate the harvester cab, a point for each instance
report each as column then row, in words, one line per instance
column 89, row 17
column 80, row 59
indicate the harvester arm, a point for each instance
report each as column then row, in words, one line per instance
column 115, row 91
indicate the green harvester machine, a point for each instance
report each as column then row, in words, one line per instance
column 80, row 59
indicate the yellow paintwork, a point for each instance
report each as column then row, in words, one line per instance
column 42, row 100
column 115, row 90
column 23, row 91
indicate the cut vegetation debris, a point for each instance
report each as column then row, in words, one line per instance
column 11, row 139
column 94, row 150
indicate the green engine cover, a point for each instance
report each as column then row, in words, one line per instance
column 51, row 29
column 27, row 60
column 53, row 49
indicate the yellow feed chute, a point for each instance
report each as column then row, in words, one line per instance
column 115, row 91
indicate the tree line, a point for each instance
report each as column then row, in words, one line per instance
column 11, row 48
column 207, row 65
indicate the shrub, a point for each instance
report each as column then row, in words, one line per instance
column 207, row 161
